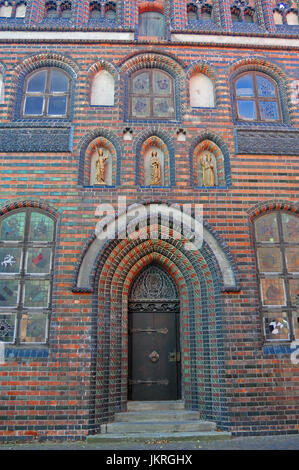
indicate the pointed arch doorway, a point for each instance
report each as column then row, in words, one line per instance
column 154, row 337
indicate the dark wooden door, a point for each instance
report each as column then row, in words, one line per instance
column 154, row 351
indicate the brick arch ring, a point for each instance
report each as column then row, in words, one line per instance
column 169, row 216
column 200, row 306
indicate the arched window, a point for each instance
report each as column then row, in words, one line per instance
column 152, row 95
column 5, row 9
column 192, row 12
column 27, row 238
column 110, row 11
column 201, row 91
column 277, row 253
column 292, row 18
column 95, row 10
column 256, row 98
column 66, row 9
column 51, row 9
column 236, row 14
column 151, row 23
column 46, row 93
column 102, row 89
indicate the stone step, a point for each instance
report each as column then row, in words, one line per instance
column 155, row 405
column 158, row 436
column 161, row 415
column 156, row 426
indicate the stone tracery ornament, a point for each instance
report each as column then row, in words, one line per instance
column 155, row 169
column 100, row 166
column 208, row 171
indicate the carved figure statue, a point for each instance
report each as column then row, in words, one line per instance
column 208, row 172
column 100, row 166
column 155, row 169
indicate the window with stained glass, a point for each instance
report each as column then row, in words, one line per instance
column 277, row 253
column 256, row 98
column 26, row 272
column 151, row 95
column 46, row 94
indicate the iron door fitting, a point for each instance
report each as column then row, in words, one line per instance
column 174, row 356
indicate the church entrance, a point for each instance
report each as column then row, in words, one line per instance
column 154, row 344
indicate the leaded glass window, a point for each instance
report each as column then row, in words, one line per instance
column 256, row 98
column 46, row 94
column 277, row 252
column 26, row 271
column 151, row 23
column 151, row 95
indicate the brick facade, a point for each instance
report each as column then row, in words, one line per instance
column 68, row 386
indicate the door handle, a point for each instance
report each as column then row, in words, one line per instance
column 174, row 356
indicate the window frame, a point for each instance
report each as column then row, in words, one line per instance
column 151, row 95
column 289, row 307
column 256, row 98
column 46, row 95
column 19, row 309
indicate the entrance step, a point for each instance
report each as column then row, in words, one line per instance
column 155, row 405
column 146, row 421
column 154, row 415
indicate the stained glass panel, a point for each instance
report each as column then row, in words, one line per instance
column 140, row 106
column 266, row 229
column 269, row 260
column 290, row 227
column 294, row 290
column 276, row 326
column 141, row 83
column 36, row 294
column 10, row 260
column 38, row 260
column 292, row 258
column 33, row 328
column 8, row 293
column 12, row 227
column 273, row 292
column 162, row 84
column 296, row 324
column 7, row 327
column 41, row 227
column 269, row 111
column 162, row 107
column 265, row 87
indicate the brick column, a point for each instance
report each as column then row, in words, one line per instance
column 225, row 15
column 268, row 15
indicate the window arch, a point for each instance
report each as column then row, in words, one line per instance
column 9, row 9
column 46, row 93
column 27, row 242
column 152, row 95
column 102, row 89
column 276, row 237
column 256, row 98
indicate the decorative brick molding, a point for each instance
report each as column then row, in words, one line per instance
column 268, row 206
column 28, row 203
column 267, row 141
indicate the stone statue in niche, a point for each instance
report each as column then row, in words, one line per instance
column 208, row 171
column 155, row 169
column 100, row 166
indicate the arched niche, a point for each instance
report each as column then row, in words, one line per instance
column 102, row 89
column 201, row 91
column 292, row 18
column 208, row 165
column 100, row 159
column 154, row 163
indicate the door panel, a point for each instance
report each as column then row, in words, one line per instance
column 154, row 370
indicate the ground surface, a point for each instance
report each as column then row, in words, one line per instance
column 282, row 442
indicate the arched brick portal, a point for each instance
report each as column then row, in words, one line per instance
column 198, row 280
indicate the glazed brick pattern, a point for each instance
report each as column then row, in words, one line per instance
column 67, row 388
